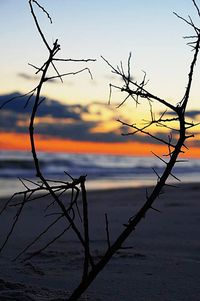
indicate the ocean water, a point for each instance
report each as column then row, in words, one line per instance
column 103, row 171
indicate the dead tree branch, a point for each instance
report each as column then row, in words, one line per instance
column 138, row 91
column 46, row 185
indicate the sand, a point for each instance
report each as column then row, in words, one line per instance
column 161, row 260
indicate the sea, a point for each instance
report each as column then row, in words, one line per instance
column 101, row 171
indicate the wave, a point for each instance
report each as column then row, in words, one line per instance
column 20, row 164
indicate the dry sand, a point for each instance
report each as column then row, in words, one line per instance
column 162, row 261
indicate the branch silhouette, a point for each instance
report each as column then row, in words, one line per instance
column 29, row 195
column 137, row 91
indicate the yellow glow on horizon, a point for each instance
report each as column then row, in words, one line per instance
column 105, row 127
column 47, row 120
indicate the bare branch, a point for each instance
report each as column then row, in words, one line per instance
column 69, row 73
column 196, row 6
column 86, row 229
column 37, row 24
column 138, row 89
column 47, row 245
column 74, row 60
column 43, row 9
column 107, row 231
column 37, row 238
column 17, row 97
column 141, row 130
column 186, row 21
column 13, row 224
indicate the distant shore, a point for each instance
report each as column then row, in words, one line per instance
column 161, row 261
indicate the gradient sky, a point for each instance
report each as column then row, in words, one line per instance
column 94, row 28
column 89, row 29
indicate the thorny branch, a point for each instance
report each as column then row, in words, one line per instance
column 51, row 188
column 138, row 91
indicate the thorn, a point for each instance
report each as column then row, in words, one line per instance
column 175, row 177
column 156, row 173
column 170, row 185
column 155, row 209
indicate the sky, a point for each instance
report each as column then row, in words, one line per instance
column 91, row 29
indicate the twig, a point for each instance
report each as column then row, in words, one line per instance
column 38, row 237
column 107, row 231
column 86, row 229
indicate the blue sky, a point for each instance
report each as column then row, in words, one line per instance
column 93, row 28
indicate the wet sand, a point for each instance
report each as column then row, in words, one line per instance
column 160, row 261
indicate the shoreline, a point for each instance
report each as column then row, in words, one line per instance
column 14, row 185
column 123, row 188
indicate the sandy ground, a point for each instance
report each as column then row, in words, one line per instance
column 161, row 261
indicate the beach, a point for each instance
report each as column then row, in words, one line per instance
column 159, row 261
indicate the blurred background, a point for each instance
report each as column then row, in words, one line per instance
column 77, row 129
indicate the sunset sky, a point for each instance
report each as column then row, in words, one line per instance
column 89, row 29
